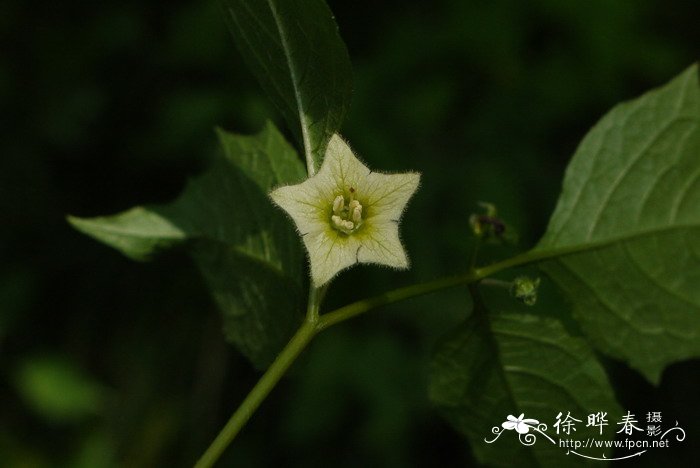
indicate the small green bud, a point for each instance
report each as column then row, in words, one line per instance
column 525, row 289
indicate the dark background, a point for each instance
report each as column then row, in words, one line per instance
column 106, row 362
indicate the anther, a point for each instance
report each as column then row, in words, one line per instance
column 338, row 204
column 357, row 213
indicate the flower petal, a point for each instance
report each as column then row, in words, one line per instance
column 380, row 243
column 329, row 253
column 303, row 204
column 342, row 167
column 386, row 195
column 512, row 418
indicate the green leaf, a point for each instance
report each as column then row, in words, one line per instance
column 510, row 364
column 294, row 49
column 57, row 390
column 628, row 220
column 246, row 249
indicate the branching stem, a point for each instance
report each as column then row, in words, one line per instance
column 315, row 323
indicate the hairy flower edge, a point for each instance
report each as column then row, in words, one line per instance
column 348, row 214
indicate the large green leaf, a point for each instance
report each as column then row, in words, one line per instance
column 628, row 219
column 509, row 364
column 294, row 49
column 246, row 249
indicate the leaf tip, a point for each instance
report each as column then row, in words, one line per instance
column 78, row 223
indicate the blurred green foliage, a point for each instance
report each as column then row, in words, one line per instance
column 112, row 104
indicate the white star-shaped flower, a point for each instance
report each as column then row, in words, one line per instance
column 347, row 214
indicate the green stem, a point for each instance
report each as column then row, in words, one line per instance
column 256, row 396
column 496, row 283
column 365, row 305
column 407, row 292
column 315, row 323
column 315, row 298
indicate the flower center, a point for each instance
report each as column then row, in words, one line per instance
column 347, row 214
